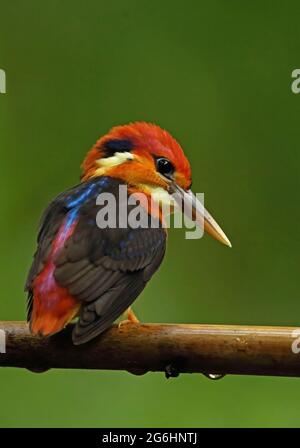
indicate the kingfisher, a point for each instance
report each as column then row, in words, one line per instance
column 94, row 273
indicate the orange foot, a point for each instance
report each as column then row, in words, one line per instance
column 131, row 318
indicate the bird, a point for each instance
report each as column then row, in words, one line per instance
column 90, row 274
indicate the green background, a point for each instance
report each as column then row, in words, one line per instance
column 217, row 75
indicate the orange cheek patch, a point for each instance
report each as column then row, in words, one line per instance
column 136, row 173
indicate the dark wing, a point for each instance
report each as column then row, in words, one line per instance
column 105, row 269
column 108, row 283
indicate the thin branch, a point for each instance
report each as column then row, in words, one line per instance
column 173, row 349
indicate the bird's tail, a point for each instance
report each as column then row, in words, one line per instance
column 51, row 306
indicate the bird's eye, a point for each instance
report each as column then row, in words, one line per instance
column 165, row 167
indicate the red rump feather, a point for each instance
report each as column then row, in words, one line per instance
column 53, row 306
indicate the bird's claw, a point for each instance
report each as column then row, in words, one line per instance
column 131, row 318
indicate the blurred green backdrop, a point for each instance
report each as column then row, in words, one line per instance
column 218, row 76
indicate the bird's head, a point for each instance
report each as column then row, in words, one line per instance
column 148, row 159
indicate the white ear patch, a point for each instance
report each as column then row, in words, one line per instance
column 117, row 159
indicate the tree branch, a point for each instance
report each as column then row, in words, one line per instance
column 173, row 349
